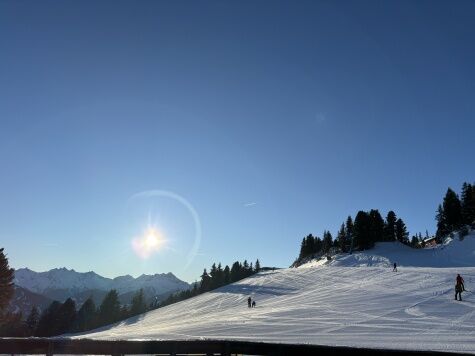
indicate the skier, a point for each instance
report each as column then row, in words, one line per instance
column 249, row 302
column 253, row 303
column 460, row 281
column 459, row 287
column 395, row 267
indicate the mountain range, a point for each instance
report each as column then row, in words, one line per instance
column 41, row 288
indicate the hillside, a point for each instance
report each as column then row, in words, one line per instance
column 331, row 305
column 23, row 300
column 452, row 253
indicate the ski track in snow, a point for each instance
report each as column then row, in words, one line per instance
column 365, row 307
column 338, row 302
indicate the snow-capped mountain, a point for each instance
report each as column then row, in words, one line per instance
column 61, row 283
column 23, row 300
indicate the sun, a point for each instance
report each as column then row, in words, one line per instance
column 150, row 242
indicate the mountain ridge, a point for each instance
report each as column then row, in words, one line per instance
column 62, row 283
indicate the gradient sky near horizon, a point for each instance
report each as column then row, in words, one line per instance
column 270, row 119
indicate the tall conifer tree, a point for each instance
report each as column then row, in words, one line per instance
column 361, row 231
column 468, row 203
column 6, row 282
column 390, row 226
column 86, row 316
column 109, row 310
column 401, row 232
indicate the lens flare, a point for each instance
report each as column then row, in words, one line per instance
column 149, row 194
column 149, row 243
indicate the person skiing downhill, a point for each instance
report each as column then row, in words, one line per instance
column 249, row 302
column 395, row 267
column 459, row 287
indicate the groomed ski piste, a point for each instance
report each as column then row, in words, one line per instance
column 353, row 300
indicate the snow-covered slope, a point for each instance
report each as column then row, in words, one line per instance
column 363, row 306
column 366, row 306
column 453, row 253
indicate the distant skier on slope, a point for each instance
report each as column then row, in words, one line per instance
column 459, row 280
column 395, row 267
column 249, row 302
column 253, row 303
column 459, row 287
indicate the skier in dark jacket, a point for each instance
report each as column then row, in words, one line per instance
column 395, row 267
column 459, row 280
column 249, row 302
column 459, row 287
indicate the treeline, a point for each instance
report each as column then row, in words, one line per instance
column 60, row 318
column 217, row 277
column 367, row 228
column 456, row 213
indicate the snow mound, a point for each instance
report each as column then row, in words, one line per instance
column 360, row 307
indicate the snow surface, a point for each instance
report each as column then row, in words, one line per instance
column 331, row 304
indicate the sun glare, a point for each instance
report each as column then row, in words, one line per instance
column 149, row 243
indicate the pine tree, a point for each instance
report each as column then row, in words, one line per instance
column 213, row 273
column 442, row 227
column 32, row 320
column 376, row 226
column 235, row 272
column 109, row 310
column 414, row 241
column 317, row 245
column 138, row 305
column 308, row 246
column 219, row 275
column 349, row 232
column 246, row 268
column 452, row 210
column 47, row 325
column 257, row 266
column 86, row 316
column 302, row 249
column 361, row 231
column 327, row 241
column 401, row 232
column 205, row 282
column 390, row 226
column 227, row 275
column 341, row 238
column 6, row 282
column 65, row 317
column 468, row 203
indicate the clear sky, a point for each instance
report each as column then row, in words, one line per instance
column 263, row 120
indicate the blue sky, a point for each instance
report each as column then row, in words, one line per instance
column 271, row 119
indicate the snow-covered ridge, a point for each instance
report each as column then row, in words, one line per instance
column 455, row 252
column 64, row 279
